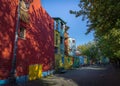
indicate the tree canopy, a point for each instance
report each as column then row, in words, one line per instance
column 103, row 17
column 90, row 50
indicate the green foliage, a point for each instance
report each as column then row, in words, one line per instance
column 104, row 19
column 109, row 43
column 90, row 50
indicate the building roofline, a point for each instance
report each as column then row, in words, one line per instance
column 58, row 18
column 67, row 28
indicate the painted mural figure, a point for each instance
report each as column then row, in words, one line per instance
column 24, row 14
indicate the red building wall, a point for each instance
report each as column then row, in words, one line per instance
column 66, row 44
column 36, row 48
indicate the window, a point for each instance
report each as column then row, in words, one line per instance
column 61, row 40
column 56, row 49
column 56, row 26
column 61, row 51
column 56, row 39
column 22, row 32
column 66, row 38
column 73, row 41
column 61, row 25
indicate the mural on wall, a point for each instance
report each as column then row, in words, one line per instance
column 68, row 64
column 35, row 71
column 24, row 10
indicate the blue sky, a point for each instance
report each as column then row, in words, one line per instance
column 60, row 8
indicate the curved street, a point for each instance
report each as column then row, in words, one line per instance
column 85, row 76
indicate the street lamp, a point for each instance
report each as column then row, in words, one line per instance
column 12, row 78
column 26, row 3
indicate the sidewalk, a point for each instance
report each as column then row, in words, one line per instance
column 51, row 81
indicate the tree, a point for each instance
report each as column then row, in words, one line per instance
column 103, row 17
column 90, row 50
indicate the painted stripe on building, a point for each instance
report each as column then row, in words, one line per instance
column 2, row 82
column 22, row 79
column 47, row 73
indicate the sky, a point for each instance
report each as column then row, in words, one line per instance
column 60, row 8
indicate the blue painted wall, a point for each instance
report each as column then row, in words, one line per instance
column 81, row 60
column 71, row 47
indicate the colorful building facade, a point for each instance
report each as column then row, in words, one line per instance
column 68, row 59
column 71, row 47
column 35, row 45
column 66, row 37
column 59, row 29
column 72, row 51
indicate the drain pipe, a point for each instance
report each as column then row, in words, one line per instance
column 12, row 78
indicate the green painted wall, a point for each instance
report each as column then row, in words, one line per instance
column 57, row 39
column 68, row 62
column 58, row 61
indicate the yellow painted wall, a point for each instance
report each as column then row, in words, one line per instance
column 58, row 56
column 56, row 36
column 68, row 62
column 58, row 61
column 35, row 71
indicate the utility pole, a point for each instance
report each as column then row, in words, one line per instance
column 12, row 78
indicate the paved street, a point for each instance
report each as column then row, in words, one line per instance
column 85, row 76
column 94, row 76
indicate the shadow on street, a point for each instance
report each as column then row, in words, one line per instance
column 94, row 75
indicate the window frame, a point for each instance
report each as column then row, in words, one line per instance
column 22, row 33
